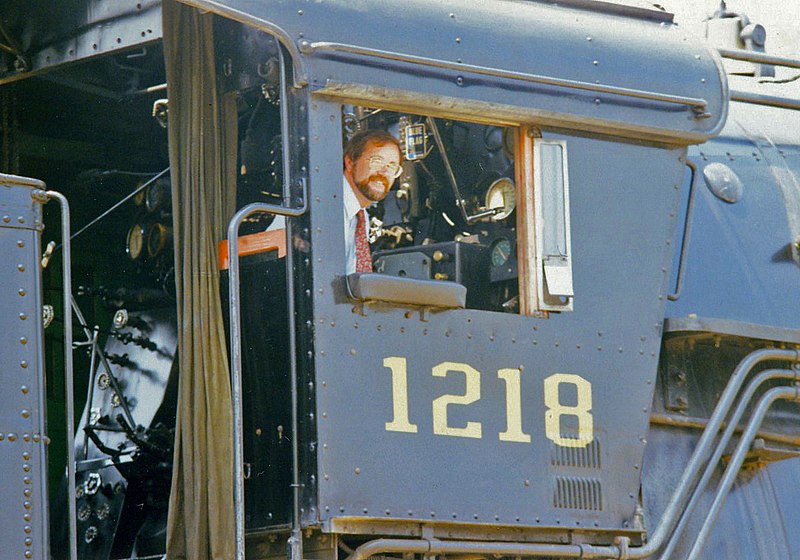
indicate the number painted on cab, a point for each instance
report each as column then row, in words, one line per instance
column 555, row 410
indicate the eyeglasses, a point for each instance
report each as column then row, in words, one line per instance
column 377, row 163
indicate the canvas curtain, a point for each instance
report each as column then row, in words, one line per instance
column 202, row 158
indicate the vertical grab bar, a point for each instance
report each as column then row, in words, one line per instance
column 687, row 229
column 66, row 271
column 236, row 347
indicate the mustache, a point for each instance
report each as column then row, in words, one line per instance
column 379, row 178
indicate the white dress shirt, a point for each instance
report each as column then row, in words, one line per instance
column 351, row 210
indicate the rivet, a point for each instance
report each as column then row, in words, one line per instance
column 26, row 456
column 458, row 39
column 12, row 437
column 299, row 12
column 28, row 541
column 25, row 390
column 353, row 352
column 28, row 554
column 26, row 467
column 27, row 480
column 23, row 364
column 25, row 413
column 358, row 470
column 21, row 267
column 21, row 220
column 27, row 493
column 595, row 62
column 27, row 504
column 22, row 316
column 2, row 437
column 27, row 517
column 23, row 340
column 6, row 219
column 36, row 438
column 21, row 292
column 26, row 437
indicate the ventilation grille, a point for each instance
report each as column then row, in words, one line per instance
column 582, row 457
column 573, row 492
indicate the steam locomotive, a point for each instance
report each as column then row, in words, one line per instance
column 578, row 341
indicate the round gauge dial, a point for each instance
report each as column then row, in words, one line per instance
column 501, row 252
column 138, row 198
column 156, row 196
column 156, row 239
column 502, row 196
column 135, row 242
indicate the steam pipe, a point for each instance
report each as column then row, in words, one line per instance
column 787, row 393
column 733, row 423
column 497, row 549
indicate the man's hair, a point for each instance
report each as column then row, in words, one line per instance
column 358, row 143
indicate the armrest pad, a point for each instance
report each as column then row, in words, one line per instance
column 409, row 291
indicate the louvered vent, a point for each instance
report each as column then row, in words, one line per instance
column 581, row 457
column 573, row 492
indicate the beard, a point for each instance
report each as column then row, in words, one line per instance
column 375, row 187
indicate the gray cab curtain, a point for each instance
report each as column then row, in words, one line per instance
column 202, row 153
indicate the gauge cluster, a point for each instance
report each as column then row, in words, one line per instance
column 451, row 214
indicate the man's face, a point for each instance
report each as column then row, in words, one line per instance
column 373, row 172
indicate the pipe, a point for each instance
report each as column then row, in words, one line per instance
column 759, row 58
column 738, row 457
column 767, row 100
column 66, row 267
column 731, row 427
column 434, row 547
column 700, row 453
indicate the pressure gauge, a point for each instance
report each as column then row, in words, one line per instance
column 501, row 252
column 135, row 242
column 156, row 195
column 156, row 239
column 138, row 198
column 502, row 197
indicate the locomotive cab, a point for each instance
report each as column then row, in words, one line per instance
column 446, row 395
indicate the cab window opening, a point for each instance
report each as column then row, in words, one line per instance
column 460, row 205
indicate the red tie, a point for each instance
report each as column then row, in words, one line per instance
column 363, row 254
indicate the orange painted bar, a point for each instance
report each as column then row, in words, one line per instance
column 254, row 243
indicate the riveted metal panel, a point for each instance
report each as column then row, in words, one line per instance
column 23, row 460
column 440, row 50
column 368, row 469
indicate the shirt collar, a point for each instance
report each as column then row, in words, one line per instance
column 351, row 205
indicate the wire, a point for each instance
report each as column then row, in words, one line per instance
column 118, row 204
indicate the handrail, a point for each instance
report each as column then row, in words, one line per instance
column 733, row 423
column 236, row 345
column 66, row 272
column 701, row 451
column 697, row 105
column 774, row 394
column 766, row 100
column 759, row 58
column 687, row 231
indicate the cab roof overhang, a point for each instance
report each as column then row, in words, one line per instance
column 610, row 70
